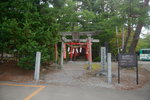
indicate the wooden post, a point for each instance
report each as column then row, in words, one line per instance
column 71, row 52
column 62, row 53
column 37, row 66
column 137, row 76
column 65, row 51
column 56, row 53
column 118, row 73
column 109, row 67
column 2, row 55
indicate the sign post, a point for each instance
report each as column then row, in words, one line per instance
column 127, row 61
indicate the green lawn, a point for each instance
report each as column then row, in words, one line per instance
column 95, row 67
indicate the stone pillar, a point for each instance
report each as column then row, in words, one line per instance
column 103, row 62
column 109, row 68
column 37, row 66
column 103, row 59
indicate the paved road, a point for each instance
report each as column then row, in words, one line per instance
column 76, row 93
column 15, row 92
column 145, row 64
column 64, row 92
column 54, row 92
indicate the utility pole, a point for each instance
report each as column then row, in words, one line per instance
column 122, row 38
column 117, row 39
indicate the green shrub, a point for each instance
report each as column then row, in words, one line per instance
column 97, row 59
column 27, row 54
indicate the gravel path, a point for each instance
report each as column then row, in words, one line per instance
column 74, row 74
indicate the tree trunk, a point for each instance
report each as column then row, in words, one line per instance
column 72, row 26
column 135, row 38
column 137, row 32
column 2, row 55
column 127, row 38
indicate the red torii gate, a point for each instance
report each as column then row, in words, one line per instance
column 75, row 48
column 76, row 41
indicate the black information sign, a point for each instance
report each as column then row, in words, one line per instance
column 127, row 61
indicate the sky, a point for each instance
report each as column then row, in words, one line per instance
column 144, row 32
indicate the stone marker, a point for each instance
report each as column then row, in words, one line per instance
column 37, row 66
column 109, row 68
column 103, row 62
column 103, row 58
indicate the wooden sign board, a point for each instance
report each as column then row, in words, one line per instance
column 127, row 60
column 75, row 36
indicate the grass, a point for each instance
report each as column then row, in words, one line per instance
column 95, row 67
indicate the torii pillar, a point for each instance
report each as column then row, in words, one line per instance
column 89, row 53
column 62, row 52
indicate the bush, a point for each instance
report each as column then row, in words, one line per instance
column 27, row 54
column 97, row 59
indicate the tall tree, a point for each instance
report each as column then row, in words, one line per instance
column 28, row 26
column 141, row 23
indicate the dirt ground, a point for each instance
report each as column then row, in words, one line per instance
column 74, row 74
column 9, row 71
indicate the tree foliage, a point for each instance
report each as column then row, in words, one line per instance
column 28, row 26
column 144, row 42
